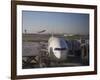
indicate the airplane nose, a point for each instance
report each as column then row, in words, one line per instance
column 58, row 54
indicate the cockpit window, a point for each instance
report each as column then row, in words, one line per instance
column 60, row 49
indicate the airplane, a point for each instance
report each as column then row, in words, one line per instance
column 42, row 31
column 57, row 49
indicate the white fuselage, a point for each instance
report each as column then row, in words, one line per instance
column 57, row 48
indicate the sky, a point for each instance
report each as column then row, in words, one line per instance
column 55, row 22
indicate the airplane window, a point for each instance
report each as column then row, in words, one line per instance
column 60, row 48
